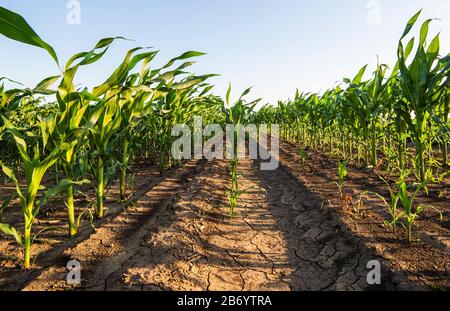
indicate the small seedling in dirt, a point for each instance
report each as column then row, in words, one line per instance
column 233, row 193
column 395, row 215
column 233, row 197
column 342, row 173
column 406, row 198
column 237, row 114
column 303, row 156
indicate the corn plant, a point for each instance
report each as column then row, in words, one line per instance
column 377, row 99
column 68, row 126
column 342, row 172
column 420, row 82
column 392, row 207
column 407, row 199
column 356, row 108
column 303, row 156
column 236, row 115
column 402, row 195
column 105, row 119
column 104, row 122
column 35, row 164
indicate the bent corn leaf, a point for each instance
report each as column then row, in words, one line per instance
column 15, row 27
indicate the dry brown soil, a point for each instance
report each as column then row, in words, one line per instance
column 292, row 232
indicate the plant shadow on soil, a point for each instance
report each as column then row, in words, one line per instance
column 409, row 262
column 320, row 252
column 180, row 238
column 14, row 278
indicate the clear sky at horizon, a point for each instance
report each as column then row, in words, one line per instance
column 274, row 46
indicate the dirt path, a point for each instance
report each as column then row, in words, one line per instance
column 179, row 238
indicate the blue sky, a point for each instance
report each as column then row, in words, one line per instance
column 275, row 46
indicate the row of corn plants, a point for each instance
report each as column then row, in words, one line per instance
column 381, row 115
column 88, row 137
column 396, row 120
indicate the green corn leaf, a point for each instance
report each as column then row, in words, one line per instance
column 60, row 187
column 183, row 56
column 170, row 75
column 424, row 31
column 117, row 75
column 185, row 65
column 191, row 82
column 410, row 24
column 44, row 132
column 360, row 75
column 20, row 142
column 94, row 116
column 46, row 83
column 206, row 90
column 433, row 51
column 405, row 55
column 10, row 230
column 12, row 81
column 10, row 174
column 409, row 47
column 245, row 92
column 107, row 41
column 228, row 94
column 79, row 96
column 15, row 27
column 120, row 74
column 148, row 57
column 76, row 120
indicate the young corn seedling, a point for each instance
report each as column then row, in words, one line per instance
column 233, row 193
column 392, row 207
column 407, row 199
column 303, row 156
column 341, row 173
column 237, row 116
